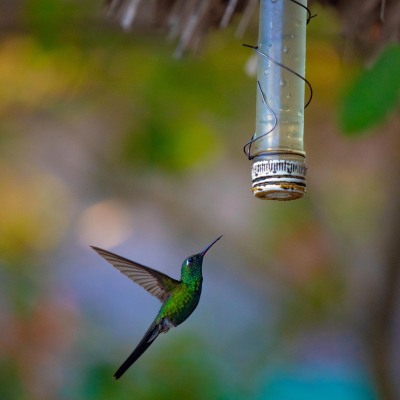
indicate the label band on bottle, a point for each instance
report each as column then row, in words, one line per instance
column 279, row 179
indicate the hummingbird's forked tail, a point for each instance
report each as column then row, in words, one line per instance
column 144, row 344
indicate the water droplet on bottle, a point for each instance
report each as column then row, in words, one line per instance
column 282, row 82
column 285, row 50
column 289, row 95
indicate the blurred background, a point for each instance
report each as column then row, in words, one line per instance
column 108, row 138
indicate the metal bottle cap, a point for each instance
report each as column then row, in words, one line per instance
column 279, row 179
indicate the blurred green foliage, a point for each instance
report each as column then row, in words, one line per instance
column 11, row 386
column 50, row 22
column 373, row 95
column 184, row 370
column 65, row 66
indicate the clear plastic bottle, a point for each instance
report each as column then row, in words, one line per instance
column 278, row 154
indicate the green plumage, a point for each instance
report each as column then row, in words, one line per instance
column 179, row 298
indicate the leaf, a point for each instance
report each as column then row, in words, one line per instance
column 373, row 95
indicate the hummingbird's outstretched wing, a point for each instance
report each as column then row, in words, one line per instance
column 155, row 282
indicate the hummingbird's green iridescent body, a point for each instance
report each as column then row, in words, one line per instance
column 179, row 298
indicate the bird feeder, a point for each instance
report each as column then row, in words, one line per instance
column 276, row 148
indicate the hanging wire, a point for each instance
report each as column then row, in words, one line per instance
column 247, row 146
column 309, row 16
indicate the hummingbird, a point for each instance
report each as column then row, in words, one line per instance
column 179, row 298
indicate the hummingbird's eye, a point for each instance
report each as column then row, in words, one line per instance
column 190, row 259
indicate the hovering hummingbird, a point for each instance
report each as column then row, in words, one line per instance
column 179, row 298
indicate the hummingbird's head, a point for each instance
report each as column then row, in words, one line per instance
column 191, row 267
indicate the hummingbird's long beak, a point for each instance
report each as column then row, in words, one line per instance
column 209, row 246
